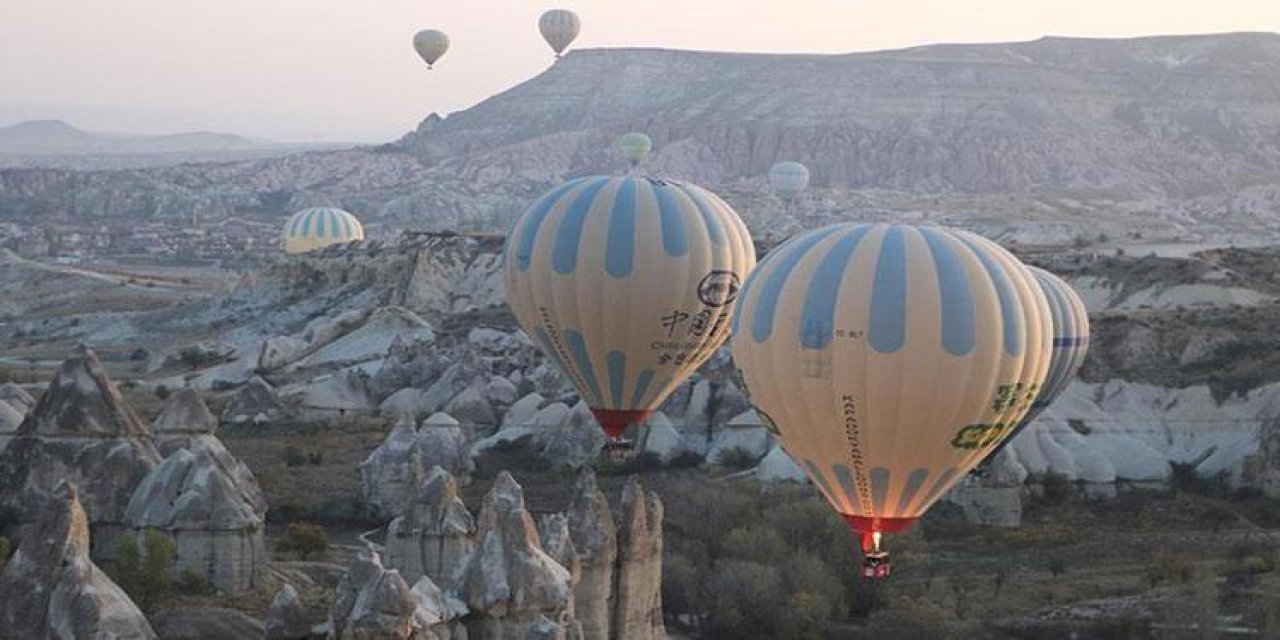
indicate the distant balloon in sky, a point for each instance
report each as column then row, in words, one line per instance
column 430, row 44
column 635, row 147
column 627, row 284
column 559, row 28
column 788, row 178
column 890, row 359
column 319, row 227
column 1070, row 344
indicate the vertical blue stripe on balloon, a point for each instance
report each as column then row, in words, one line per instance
column 617, row 363
column 346, row 225
column 643, row 380
column 819, row 477
column 714, row 227
column 581, row 358
column 674, row 239
column 818, row 316
column 564, row 253
column 888, row 323
column 737, row 308
column 306, row 223
column 534, row 217
column 914, row 482
column 333, row 226
column 620, row 242
column 783, row 263
column 846, row 480
column 958, row 322
column 1009, row 315
column 879, row 489
column 322, row 218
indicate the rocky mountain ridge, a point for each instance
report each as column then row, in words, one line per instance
column 1170, row 135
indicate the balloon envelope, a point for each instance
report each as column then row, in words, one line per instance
column 788, row 178
column 559, row 28
column 627, row 284
column 319, row 227
column 1070, row 320
column 890, row 359
column 635, row 147
column 430, row 45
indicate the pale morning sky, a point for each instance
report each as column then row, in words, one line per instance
column 345, row 69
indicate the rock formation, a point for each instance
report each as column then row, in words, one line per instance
column 637, row 607
column 256, row 403
column 17, row 397
column 206, row 623
column 442, row 442
column 215, row 522
column 661, row 438
column 745, row 433
column 51, row 589
column 81, row 431
column 183, row 418
column 595, row 541
column 993, row 496
column 286, row 617
column 435, row 535
column 10, row 419
column 558, row 543
column 391, row 475
column 777, row 466
column 375, row 603
column 513, row 588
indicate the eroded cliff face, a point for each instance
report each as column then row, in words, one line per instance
column 1133, row 135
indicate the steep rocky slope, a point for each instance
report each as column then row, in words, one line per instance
column 1169, row 135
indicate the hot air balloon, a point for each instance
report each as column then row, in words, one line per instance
column 890, row 359
column 559, row 28
column 319, row 227
column 788, row 178
column 430, row 44
column 627, row 284
column 1070, row 345
column 635, row 147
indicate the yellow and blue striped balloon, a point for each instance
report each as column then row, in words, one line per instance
column 628, row 284
column 1070, row 344
column 319, row 227
column 890, row 359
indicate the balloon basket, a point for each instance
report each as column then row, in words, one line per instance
column 620, row 449
column 876, row 565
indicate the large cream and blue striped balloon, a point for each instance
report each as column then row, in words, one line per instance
column 1070, row 344
column 628, row 284
column 319, row 227
column 890, row 359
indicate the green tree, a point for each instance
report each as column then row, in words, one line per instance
column 304, row 539
column 146, row 574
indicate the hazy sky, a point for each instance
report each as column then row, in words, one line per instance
column 345, row 69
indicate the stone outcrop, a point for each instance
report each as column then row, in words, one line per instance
column 435, row 535
column 51, row 589
column 286, row 617
column 777, row 466
column 637, row 607
column 206, row 623
column 216, row 524
column 472, row 408
column 17, row 397
column 442, row 442
column 745, row 433
column 993, row 495
column 572, row 442
column 255, row 403
column 595, row 541
column 10, row 419
column 391, row 475
column 81, row 431
column 184, row 417
column 558, row 543
column 375, row 603
column 513, row 588
column 660, row 438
